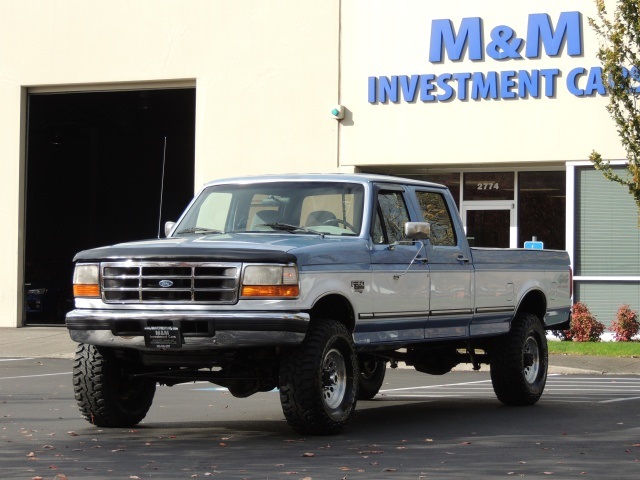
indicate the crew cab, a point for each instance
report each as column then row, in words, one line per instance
column 311, row 284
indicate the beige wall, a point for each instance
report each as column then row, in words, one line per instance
column 266, row 77
column 267, row 74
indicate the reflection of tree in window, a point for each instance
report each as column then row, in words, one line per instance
column 434, row 210
column 394, row 213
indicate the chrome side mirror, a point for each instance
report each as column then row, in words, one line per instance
column 417, row 230
column 168, row 226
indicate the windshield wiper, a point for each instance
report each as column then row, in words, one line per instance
column 202, row 230
column 290, row 228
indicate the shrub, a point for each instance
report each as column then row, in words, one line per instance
column 626, row 324
column 584, row 326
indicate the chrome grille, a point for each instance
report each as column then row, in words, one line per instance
column 170, row 282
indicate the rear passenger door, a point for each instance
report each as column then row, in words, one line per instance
column 451, row 296
column 400, row 285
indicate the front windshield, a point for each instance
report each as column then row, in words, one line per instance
column 332, row 208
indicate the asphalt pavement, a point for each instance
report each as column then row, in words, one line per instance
column 54, row 342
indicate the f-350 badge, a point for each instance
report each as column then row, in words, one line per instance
column 357, row 286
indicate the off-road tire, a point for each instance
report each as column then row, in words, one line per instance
column 107, row 395
column 318, row 380
column 519, row 362
column 371, row 377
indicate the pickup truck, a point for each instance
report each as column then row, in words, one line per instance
column 309, row 284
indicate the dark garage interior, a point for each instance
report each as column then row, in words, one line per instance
column 94, row 177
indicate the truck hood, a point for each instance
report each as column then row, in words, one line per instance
column 238, row 247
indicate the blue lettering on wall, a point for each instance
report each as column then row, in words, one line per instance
column 544, row 36
column 444, row 37
column 568, row 30
column 508, row 84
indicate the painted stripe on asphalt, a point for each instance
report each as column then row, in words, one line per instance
column 36, row 376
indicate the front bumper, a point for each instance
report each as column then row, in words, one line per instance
column 200, row 330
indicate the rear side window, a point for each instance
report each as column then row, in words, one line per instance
column 434, row 210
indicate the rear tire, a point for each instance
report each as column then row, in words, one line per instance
column 107, row 395
column 318, row 387
column 519, row 362
column 371, row 377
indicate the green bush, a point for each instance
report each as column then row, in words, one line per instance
column 626, row 324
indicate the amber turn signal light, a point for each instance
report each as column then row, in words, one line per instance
column 290, row 291
column 84, row 290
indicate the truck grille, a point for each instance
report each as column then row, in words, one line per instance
column 170, row 282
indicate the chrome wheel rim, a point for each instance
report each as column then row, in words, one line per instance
column 531, row 353
column 334, row 379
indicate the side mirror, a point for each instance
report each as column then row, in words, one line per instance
column 168, row 226
column 417, row 230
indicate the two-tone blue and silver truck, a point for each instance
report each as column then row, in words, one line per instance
column 310, row 284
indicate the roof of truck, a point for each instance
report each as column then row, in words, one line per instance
column 339, row 177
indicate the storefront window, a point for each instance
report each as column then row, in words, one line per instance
column 541, row 208
column 449, row 180
column 607, row 238
column 488, row 186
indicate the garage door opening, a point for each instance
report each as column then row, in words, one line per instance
column 94, row 177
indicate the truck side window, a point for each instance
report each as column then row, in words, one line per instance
column 435, row 211
column 392, row 209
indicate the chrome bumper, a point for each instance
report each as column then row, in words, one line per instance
column 200, row 330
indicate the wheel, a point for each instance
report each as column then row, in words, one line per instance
column 106, row 394
column 519, row 362
column 371, row 377
column 318, row 391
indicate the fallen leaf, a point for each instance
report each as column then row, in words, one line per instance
column 308, row 454
column 72, row 433
column 60, row 476
column 31, row 454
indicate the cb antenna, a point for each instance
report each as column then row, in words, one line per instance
column 164, row 160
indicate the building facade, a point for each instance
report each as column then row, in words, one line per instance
column 500, row 100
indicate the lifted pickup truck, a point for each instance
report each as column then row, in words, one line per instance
column 310, row 284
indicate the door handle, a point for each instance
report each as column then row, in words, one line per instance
column 463, row 259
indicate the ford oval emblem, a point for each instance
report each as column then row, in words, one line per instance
column 166, row 283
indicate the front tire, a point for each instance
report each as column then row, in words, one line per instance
column 318, row 380
column 107, row 395
column 519, row 362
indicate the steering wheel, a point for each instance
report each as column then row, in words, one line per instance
column 332, row 221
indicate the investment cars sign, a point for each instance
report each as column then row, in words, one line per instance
column 470, row 39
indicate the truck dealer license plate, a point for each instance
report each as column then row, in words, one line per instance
column 162, row 338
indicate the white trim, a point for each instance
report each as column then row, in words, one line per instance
column 115, row 86
column 570, row 210
column 612, row 278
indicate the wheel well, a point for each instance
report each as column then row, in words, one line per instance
column 534, row 302
column 336, row 307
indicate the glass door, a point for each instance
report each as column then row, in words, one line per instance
column 488, row 209
column 490, row 225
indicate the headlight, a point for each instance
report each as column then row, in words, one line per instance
column 273, row 281
column 86, row 280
